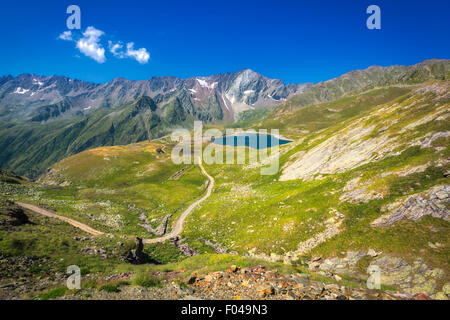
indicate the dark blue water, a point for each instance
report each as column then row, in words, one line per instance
column 252, row 140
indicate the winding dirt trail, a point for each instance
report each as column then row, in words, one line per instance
column 50, row 214
column 178, row 228
column 179, row 224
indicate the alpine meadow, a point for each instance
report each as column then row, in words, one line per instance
column 95, row 206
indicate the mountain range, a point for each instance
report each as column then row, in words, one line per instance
column 36, row 98
column 45, row 119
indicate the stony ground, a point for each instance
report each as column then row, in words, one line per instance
column 255, row 283
column 17, row 278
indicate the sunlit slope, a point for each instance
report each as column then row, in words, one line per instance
column 300, row 121
column 109, row 187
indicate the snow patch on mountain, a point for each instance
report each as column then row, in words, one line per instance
column 205, row 84
column 20, row 90
column 36, row 81
column 225, row 102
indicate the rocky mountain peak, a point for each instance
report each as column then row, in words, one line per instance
column 231, row 93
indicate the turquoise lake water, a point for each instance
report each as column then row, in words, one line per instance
column 252, row 140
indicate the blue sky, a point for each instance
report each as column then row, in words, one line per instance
column 296, row 41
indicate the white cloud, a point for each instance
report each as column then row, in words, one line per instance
column 66, row 35
column 116, row 49
column 90, row 45
column 141, row 55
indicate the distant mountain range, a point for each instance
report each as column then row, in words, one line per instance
column 45, row 119
column 36, row 98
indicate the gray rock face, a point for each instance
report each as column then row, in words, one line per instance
column 345, row 265
column 427, row 143
column 418, row 205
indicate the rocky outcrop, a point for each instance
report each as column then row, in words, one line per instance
column 345, row 150
column 177, row 175
column 411, row 170
column 427, row 142
column 216, row 246
column 184, row 248
column 134, row 251
column 145, row 224
column 162, row 228
column 415, row 278
column 93, row 251
column 432, row 202
column 53, row 177
column 13, row 215
column 355, row 192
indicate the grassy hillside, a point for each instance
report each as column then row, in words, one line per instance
column 108, row 187
column 261, row 214
column 353, row 161
column 247, row 210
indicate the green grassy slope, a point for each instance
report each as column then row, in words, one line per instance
column 107, row 187
column 30, row 148
column 250, row 211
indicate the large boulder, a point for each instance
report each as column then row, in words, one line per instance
column 133, row 251
column 13, row 215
